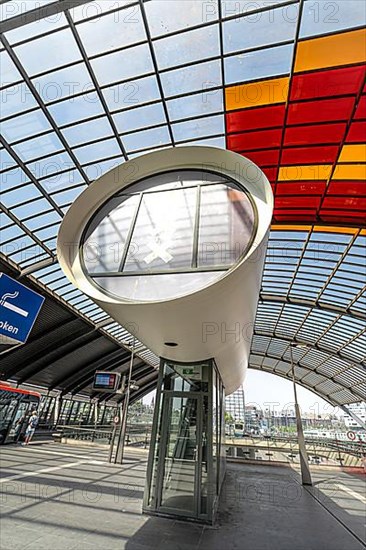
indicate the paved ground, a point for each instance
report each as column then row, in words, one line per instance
column 59, row 497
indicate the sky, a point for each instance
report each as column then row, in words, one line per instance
column 273, row 392
column 264, row 388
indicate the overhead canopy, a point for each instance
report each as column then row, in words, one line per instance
column 281, row 82
column 65, row 349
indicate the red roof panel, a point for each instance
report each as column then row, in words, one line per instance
column 328, row 83
column 294, row 215
column 252, row 119
column 323, row 110
column 268, row 157
column 309, row 155
column 353, row 187
column 301, row 188
column 298, row 201
column 254, row 140
column 361, row 108
column 317, row 133
column 356, row 133
column 347, row 202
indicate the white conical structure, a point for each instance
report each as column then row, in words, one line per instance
column 182, row 315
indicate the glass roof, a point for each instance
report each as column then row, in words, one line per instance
column 280, row 81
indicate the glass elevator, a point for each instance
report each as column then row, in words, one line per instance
column 186, row 463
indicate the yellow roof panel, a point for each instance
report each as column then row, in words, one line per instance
column 353, row 153
column 255, row 94
column 329, row 51
column 308, row 172
column 350, row 172
column 285, row 227
column 331, row 229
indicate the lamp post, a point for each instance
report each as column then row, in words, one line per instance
column 304, row 462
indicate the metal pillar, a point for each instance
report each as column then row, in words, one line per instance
column 356, row 418
column 304, row 462
column 122, row 434
column 57, row 409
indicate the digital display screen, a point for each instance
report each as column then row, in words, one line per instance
column 106, row 381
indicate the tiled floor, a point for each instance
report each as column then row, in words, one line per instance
column 61, row 497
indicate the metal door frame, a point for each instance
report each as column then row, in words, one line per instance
column 167, row 397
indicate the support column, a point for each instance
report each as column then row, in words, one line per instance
column 304, row 462
column 122, row 433
column 57, row 409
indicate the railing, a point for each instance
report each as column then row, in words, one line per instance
column 137, row 435
column 285, row 449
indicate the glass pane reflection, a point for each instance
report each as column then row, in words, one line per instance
column 168, row 235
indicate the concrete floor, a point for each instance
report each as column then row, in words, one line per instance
column 59, row 497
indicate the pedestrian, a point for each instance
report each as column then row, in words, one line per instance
column 31, row 428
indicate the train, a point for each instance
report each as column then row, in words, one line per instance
column 351, row 435
column 16, row 405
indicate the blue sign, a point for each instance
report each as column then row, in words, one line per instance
column 19, row 308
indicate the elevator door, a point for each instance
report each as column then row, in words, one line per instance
column 180, row 456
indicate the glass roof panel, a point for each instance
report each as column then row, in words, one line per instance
column 9, row 72
column 195, row 105
column 117, row 66
column 115, row 30
column 132, row 94
column 146, row 139
column 38, row 147
column 12, row 178
column 88, row 131
column 17, row 7
column 268, row 27
column 66, row 82
column 258, row 64
column 7, row 234
column 22, row 249
column 24, row 126
column 24, row 210
column 231, row 8
column 76, row 109
column 6, row 160
column 199, row 127
column 47, row 233
column 323, row 17
column 67, row 197
column 210, row 142
column 12, row 198
column 41, row 220
column 32, row 29
column 163, row 20
column 49, row 166
column 187, row 47
column 94, row 9
column 95, row 170
column 14, row 100
column 38, row 55
column 61, row 181
column 141, row 117
column 97, row 151
column 203, row 76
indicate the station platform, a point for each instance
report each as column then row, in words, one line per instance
column 62, row 497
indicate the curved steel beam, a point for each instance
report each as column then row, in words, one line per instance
column 267, row 297
column 269, row 334
column 299, row 381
